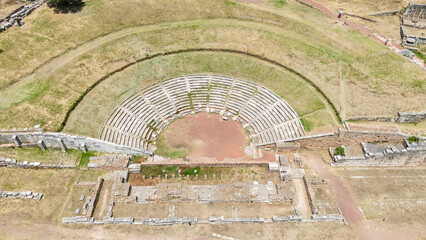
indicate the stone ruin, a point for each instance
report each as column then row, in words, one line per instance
column 109, row 162
column 414, row 16
column 21, row 195
column 15, row 18
column 384, row 154
column 36, row 138
column 11, row 162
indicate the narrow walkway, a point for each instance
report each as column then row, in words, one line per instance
column 346, row 204
column 302, row 201
column 392, row 46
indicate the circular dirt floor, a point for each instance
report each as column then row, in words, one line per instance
column 207, row 135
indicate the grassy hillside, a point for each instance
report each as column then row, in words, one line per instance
column 360, row 76
column 90, row 115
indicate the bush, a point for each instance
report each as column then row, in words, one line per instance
column 66, row 6
column 339, row 151
column 413, row 139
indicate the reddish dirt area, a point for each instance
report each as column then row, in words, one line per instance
column 208, row 135
column 346, row 204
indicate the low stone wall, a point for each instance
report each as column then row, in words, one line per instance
column 326, row 140
column 310, row 197
column 11, row 162
column 411, row 117
column 328, row 218
column 92, row 204
column 412, row 154
column 342, row 137
column 21, row 195
column 175, row 221
column 386, row 13
column 64, row 142
column 372, row 118
column 403, row 117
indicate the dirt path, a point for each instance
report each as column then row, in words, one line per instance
column 346, row 204
column 342, row 93
column 104, row 197
column 367, row 32
column 302, row 201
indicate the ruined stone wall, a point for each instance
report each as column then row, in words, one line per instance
column 412, row 154
column 15, row 17
column 403, row 117
column 310, row 197
column 65, row 141
column 326, row 140
column 413, row 158
column 411, row 117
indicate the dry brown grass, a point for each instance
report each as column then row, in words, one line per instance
column 56, row 185
column 394, row 194
column 313, row 45
column 50, row 156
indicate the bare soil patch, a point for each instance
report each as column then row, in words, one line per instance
column 349, row 208
column 207, row 135
column 203, row 210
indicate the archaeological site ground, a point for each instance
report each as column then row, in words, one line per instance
column 213, row 119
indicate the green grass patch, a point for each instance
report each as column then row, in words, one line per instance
column 85, row 159
column 339, row 151
column 230, row 3
column 170, row 170
column 35, row 90
column 419, row 55
column 11, row 186
column 316, row 120
column 413, row 139
column 279, row 3
column 165, row 150
column 49, row 156
column 307, row 125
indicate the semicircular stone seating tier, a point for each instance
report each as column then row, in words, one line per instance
column 140, row 118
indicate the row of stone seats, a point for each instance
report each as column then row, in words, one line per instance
column 139, row 119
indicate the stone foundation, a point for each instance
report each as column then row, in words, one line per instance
column 63, row 141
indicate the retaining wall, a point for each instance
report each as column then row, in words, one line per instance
column 64, row 142
column 11, row 162
column 343, row 137
column 412, row 155
column 174, row 221
column 403, row 117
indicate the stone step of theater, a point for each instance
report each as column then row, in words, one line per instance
column 140, row 118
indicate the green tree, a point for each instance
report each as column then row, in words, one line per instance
column 340, row 151
column 413, row 139
column 66, row 6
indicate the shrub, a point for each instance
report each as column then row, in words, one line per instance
column 66, row 6
column 339, row 151
column 413, row 139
